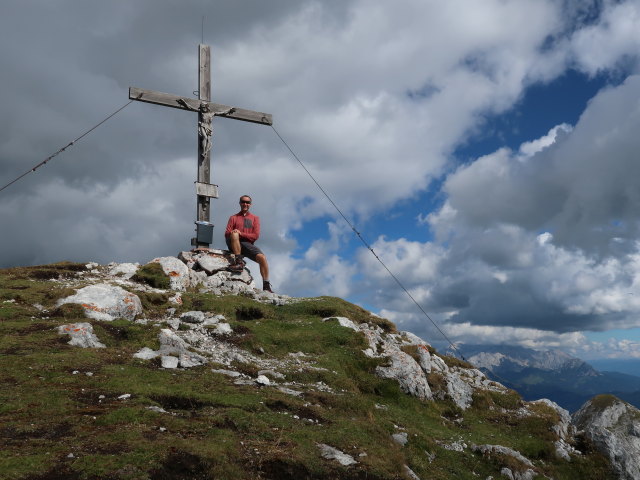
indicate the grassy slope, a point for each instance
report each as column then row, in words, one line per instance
column 58, row 422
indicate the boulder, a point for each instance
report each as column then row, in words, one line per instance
column 614, row 428
column 192, row 317
column 124, row 270
column 406, row 371
column 81, row 335
column 460, row 391
column 105, row 302
column 212, row 263
column 176, row 270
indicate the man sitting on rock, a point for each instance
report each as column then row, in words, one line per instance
column 243, row 229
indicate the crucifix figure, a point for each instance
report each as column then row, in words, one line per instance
column 205, row 190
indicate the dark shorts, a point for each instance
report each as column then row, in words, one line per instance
column 247, row 249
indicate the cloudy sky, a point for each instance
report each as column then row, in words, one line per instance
column 487, row 151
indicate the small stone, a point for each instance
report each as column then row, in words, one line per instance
column 223, row 329
column 263, row 380
column 271, row 373
column 89, row 374
column 81, row 335
column 71, row 455
column 400, row 438
column 331, row 453
column 146, row 353
column 169, row 361
column 156, row 409
column 192, row 317
column 125, row 396
column 173, row 323
column 228, row 373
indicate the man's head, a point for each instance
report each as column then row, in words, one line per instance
column 245, row 203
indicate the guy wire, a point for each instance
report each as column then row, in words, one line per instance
column 33, row 169
column 368, row 246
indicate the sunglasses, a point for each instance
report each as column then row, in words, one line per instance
column 244, row 201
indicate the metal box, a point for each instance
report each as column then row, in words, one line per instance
column 204, row 232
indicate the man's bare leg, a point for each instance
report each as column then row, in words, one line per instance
column 264, row 266
column 234, row 240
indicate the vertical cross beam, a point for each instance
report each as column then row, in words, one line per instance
column 204, row 134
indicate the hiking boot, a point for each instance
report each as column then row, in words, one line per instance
column 237, row 265
column 266, row 286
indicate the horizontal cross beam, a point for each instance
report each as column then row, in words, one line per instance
column 193, row 104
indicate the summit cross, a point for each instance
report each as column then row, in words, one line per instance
column 205, row 190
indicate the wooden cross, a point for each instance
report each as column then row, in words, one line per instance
column 206, row 111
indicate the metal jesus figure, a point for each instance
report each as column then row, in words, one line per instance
column 205, row 190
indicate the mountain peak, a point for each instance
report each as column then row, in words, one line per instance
column 169, row 371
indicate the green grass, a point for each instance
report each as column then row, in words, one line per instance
column 216, row 429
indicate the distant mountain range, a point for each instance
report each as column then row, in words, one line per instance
column 552, row 374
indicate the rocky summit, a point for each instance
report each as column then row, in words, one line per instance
column 181, row 369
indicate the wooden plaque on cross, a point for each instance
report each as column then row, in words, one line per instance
column 205, row 190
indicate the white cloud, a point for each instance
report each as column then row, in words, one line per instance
column 615, row 36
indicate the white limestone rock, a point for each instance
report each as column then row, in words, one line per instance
column 123, row 270
column 406, row 371
column 213, row 320
column 460, row 391
column 176, row 270
column 168, row 361
column 411, row 339
column 105, row 302
column 438, row 364
column 511, row 475
column 212, row 263
column 424, row 359
column 563, row 429
column 614, row 428
column 197, row 278
column 188, row 258
column 400, row 438
column 331, row 453
column 271, row 373
column 410, row 473
column 81, row 335
column 228, row 373
column 146, row 353
column 223, row 329
column 193, row 317
column 499, row 449
column 343, row 322
column 191, row 359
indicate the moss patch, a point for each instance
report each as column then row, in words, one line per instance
column 153, row 275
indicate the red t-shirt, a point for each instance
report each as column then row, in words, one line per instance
column 248, row 225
